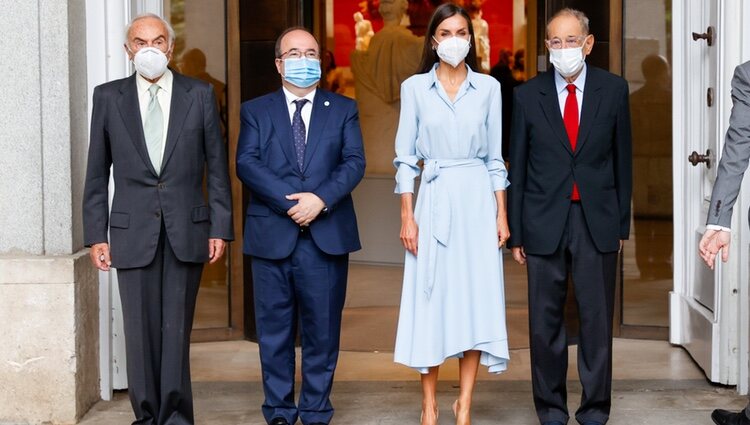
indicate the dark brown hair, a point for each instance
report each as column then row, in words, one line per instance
column 429, row 55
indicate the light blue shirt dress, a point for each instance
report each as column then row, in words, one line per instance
column 453, row 298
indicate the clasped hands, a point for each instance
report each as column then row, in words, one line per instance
column 308, row 207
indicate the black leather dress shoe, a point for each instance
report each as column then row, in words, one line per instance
column 279, row 421
column 725, row 417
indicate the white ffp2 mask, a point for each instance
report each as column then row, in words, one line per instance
column 150, row 62
column 453, row 50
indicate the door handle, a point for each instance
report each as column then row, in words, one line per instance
column 708, row 36
column 695, row 158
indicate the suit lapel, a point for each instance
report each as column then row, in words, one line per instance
column 321, row 108
column 591, row 100
column 179, row 107
column 282, row 125
column 551, row 107
column 130, row 112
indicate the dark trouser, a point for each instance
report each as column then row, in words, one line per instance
column 593, row 274
column 309, row 286
column 158, row 302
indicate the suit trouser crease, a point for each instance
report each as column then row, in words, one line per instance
column 309, row 288
column 593, row 275
column 158, row 307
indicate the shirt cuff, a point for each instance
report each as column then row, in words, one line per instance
column 717, row 227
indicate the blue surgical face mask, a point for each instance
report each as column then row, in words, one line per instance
column 302, row 72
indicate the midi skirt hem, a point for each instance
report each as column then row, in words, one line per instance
column 495, row 360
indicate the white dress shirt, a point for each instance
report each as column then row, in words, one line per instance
column 306, row 108
column 562, row 90
column 163, row 96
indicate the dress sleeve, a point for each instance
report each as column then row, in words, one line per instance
column 494, row 159
column 406, row 142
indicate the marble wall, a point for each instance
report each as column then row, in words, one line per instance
column 48, row 290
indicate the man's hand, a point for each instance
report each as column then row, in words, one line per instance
column 519, row 255
column 309, row 205
column 215, row 249
column 99, row 255
column 711, row 243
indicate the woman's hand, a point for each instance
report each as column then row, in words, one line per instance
column 409, row 230
column 409, row 234
column 503, row 231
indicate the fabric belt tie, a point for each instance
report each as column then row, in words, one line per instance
column 440, row 210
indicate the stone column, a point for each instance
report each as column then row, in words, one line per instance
column 48, row 291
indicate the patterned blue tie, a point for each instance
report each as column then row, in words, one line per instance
column 298, row 128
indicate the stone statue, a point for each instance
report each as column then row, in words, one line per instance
column 363, row 30
column 482, row 40
column 393, row 56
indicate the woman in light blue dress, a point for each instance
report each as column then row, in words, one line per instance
column 452, row 302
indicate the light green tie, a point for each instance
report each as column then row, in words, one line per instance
column 153, row 128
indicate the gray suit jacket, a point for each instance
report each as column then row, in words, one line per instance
column 143, row 199
column 736, row 153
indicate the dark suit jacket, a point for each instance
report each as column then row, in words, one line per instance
column 267, row 164
column 142, row 198
column 543, row 165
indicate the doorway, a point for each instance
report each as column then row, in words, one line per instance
column 623, row 45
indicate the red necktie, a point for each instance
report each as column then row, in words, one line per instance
column 570, row 117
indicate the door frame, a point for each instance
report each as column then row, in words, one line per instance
column 729, row 344
column 236, row 328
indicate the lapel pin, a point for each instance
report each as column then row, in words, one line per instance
column 327, row 103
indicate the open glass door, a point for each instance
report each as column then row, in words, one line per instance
column 699, row 319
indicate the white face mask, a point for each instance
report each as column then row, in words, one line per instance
column 150, row 62
column 567, row 61
column 453, row 50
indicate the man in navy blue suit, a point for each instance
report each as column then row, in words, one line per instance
column 300, row 154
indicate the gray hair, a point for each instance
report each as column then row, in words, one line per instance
column 167, row 25
column 582, row 18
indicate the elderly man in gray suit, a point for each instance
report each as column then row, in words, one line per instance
column 732, row 167
column 158, row 131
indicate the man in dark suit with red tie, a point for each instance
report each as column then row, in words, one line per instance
column 569, row 208
column 300, row 153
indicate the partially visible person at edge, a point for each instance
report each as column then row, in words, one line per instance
column 159, row 132
column 732, row 167
column 569, row 209
column 452, row 302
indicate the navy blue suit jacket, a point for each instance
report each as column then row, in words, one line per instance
column 267, row 164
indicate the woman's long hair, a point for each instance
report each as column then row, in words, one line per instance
column 429, row 55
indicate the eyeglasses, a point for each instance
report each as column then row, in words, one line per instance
column 296, row 54
column 557, row 43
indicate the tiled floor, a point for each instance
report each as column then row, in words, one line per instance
column 654, row 384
